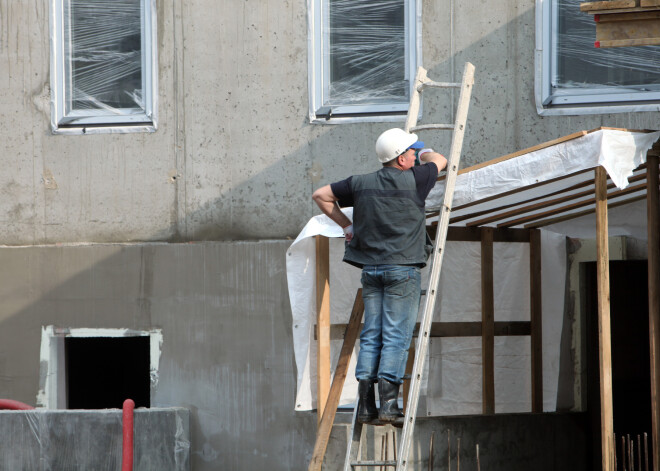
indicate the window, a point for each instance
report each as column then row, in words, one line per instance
column 97, row 368
column 573, row 77
column 103, row 65
column 363, row 58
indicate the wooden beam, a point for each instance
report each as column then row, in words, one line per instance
column 325, row 426
column 607, row 5
column 604, row 327
column 547, row 222
column 536, row 319
column 487, row 321
column 473, row 234
column 323, row 323
column 653, row 231
column 579, row 204
column 546, row 202
column 456, row 329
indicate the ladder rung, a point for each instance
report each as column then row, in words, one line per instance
column 431, row 83
column 447, row 127
column 373, row 463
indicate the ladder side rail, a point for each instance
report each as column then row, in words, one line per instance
column 441, row 236
column 353, row 449
column 413, row 109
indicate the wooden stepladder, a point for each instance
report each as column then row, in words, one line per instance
column 352, row 330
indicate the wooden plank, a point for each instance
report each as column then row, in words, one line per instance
column 487, row 321
column 547, row 222
column 634, row 178
column 569, row 207
column 473, row 234
column 325, row 426
column 607, row 5
column 323, row 323
column 536, row 319
column 547, row 203
column 628, row 17
column 543, row 145
column 604, row 327
column 649, row 3
column 628, row 42
column 457, row 329
column 517, row 190
column 653, row 231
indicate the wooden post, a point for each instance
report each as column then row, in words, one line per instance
column 604, row 327
column 325, row 426
column 536, row 319
column 322, row 323
column 653, row 228
column 487, row 321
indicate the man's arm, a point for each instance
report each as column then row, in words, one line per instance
column 438, row 159
column 327, row 202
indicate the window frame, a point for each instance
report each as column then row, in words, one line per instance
column 319, row 70
column 575, row 102
column 102, row 121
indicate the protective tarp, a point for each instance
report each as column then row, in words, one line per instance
column 103, row 51
column 44, row 439
column 366, row 52
column 454, row 380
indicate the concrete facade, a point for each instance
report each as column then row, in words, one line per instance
column 235, row 156
column 234, row 159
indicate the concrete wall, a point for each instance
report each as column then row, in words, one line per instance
column 226, row 354
column 234, row 156
column 46, row 440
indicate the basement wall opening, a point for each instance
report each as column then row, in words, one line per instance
column 101, row 372
column 97, row 368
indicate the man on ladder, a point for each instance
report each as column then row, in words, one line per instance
column 387, row 239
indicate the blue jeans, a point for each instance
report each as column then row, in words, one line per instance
column 391, row 295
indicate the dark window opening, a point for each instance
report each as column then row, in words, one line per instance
column 101, row 372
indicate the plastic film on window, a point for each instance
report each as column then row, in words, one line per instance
column 365, row 52
column 581, row 65
column 103, row 55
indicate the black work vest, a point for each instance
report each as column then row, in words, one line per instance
column 388, row 220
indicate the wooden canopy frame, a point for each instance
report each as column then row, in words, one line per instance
column 519, row 222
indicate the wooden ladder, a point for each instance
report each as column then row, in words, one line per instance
column 352, row 329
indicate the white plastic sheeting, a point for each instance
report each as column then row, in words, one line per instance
column 454, row 380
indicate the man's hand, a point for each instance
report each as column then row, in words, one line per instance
column 348, row 233
column 429, row 155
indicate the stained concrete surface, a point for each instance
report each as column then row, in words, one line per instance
column 234, row 156
column 54, row 440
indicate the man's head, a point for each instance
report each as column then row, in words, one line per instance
column 394, row 143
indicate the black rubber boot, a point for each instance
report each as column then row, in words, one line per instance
column 389, row 408
column 367, row 410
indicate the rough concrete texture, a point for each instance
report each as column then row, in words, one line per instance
column 234, row 156
column 559, row 442
column 47, row 440
column 227, row 351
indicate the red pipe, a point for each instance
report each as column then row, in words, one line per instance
column 10, row 404
column 127, row 445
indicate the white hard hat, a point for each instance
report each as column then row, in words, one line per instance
column 393, row 143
